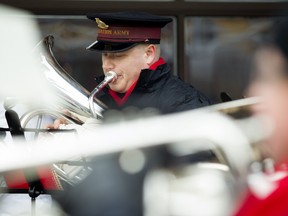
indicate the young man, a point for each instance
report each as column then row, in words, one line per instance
column 130, row 46
column 268, row 190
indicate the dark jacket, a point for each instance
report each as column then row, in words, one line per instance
column 161, row 90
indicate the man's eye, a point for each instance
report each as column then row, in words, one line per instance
column 119, row 55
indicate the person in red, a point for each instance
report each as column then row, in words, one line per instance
column 130, row 46
column 268, row 191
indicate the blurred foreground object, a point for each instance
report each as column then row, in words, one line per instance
column 124, row 165
column 20, row 76
column 268, row 183
column 21, row 83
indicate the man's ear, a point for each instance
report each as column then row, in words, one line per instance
column 150, row 52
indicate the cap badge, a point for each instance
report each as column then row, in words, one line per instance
column 101, row 24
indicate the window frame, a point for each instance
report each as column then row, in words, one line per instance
column 177, row 8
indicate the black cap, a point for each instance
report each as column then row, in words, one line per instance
column 120, row 31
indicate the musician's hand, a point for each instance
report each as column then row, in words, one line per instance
column 62, row 121
column 56, row 124
column 87, row 123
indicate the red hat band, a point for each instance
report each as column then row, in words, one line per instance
column 128, row 34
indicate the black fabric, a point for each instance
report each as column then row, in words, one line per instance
column 128, row 18
column 160, row 90
column 103, row 46
column 133, row 18
column 109, row 190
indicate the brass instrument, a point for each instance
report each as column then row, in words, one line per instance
column 111, row 76
column 71, row 96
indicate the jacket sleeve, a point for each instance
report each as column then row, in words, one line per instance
column 183, row 97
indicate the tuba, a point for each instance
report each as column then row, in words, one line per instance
column 70, row 96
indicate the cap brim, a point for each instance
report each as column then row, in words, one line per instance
column 103, row 46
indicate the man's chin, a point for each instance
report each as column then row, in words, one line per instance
column 116, row 88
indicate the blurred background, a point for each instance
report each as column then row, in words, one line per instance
column 209, row 44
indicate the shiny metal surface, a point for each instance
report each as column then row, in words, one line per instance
column 72, row 96
column 111, row 76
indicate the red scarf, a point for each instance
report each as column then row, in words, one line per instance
column 120, row 101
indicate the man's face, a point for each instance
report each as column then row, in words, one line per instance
column 127, row 65
column 272, row 86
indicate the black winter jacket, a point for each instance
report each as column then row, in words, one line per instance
column 161, row 90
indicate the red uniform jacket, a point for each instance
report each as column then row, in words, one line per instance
column 267, row 194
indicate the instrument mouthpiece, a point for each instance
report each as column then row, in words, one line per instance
column 110, row 76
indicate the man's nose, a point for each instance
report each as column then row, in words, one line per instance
column 107, row 64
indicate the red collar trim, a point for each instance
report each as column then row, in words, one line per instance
column 120, row 101
column 157, row 63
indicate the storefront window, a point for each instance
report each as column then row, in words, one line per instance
column 219, row 53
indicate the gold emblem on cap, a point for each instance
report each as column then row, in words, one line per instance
column 101, row 24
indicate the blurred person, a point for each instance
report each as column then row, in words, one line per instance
column 268, row 188
column 130, row 46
